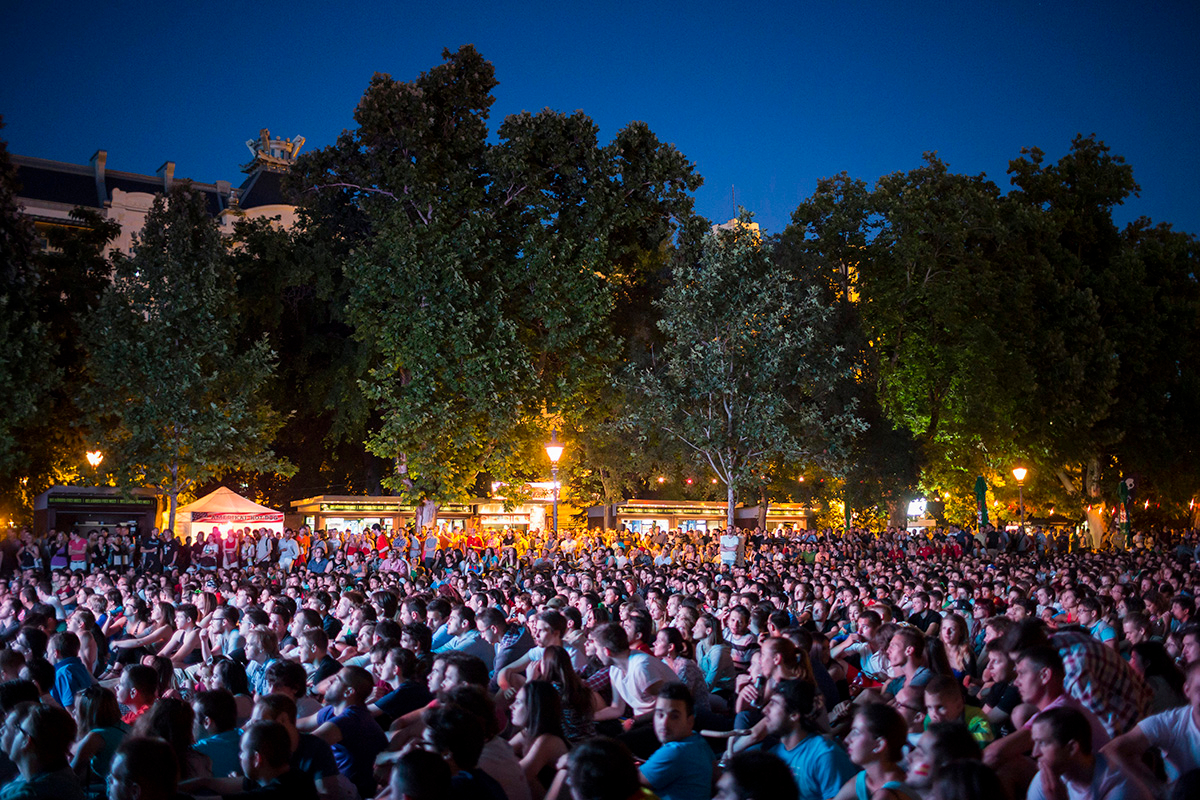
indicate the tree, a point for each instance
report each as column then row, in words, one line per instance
column 486, row 275
column 747, row 370
column 177, row 398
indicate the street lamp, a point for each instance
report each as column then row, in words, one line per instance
column 1019, row 473
column 554, row 450
column 94, row 457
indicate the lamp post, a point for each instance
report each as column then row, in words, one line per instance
column 94, row 457
column 554, row 450
column 1019, row 473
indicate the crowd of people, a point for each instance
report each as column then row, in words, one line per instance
column 598, row 665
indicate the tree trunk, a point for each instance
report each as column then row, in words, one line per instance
column 608, row 516
column 763, row 503
column 897, row 513
column 427, row 512
column 730, row 500
column 174, row 496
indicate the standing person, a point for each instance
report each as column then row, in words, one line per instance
column 289, row 551
column 682, row 767
column 148, row 548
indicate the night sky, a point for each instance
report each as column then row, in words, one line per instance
column 765, row 98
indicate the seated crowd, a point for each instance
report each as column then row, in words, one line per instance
column 599, row 666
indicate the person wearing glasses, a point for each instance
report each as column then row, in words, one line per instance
column 40, row 747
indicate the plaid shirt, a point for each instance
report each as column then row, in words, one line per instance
column 1098, row 677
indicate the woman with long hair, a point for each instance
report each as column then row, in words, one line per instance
column 1152, row 661
column 579, row 702
column 670, row 647
column 957, row 641
column 540, row 740
column 713, row 654
column 162, row 628
column 98, row 714
column 172, row 720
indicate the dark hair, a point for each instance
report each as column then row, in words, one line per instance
column 471, row 669
column 270, row 739
column 171, row 719
column 41, row 672
column 151, row 763
column 66, row 644
column 278, row 704
column 232, row 675
column 142, row 678
column 969, row 780
column 557, row 668
column 612, row 636
column 53, row 732
column 421, row 633
column 420, row 775
column 1156, row 661
column 950, row 741
column 219, row 706
column 884, row 722
column 1043, row 657
column 477, row 700
column 798, row 697
column 98, row 707
column 456, row 730
column 18, row 691
column 760, row 775
column 679, row 691
column 1067, row 724
column 288, row 674
column 545, row 709
column 602, row 769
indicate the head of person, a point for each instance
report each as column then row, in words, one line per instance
column 602, row 769
column 791, row 707
column 1039, row 674
column 944, row 699
column 462, row 669
column 878, row 733
column 420, row 775
column 757, row 775
column 216, row 712
column 266, row 750
column 674, row 713
column 285, row 677
column 454, row 733
column 351, row 686
column 907, row 646
column 968, row 779
column 138, row 686
column 143, row 769
column 1061, row 737
column 941, row 744
column 611, row 642
column 96, row 707
column 537, row 708
column 42, row 740
column 1190, row 644
column 491, row 624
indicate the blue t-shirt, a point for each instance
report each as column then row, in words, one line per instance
column 224, row 749
column 819, row 765
column 681, row 770
column 362, row 740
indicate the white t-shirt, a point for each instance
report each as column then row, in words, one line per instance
column 631, row 684
column 1175, row 733
column 1107, row 784
column 729, row 547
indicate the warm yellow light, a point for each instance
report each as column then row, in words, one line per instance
column 1019, row 473
column 661, row 479
column 94, row 457
column 801, row 479
column 714, row 480
column 553, row 448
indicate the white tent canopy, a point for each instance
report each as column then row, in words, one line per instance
column 225, row 510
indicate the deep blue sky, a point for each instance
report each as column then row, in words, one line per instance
column 764, row 98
